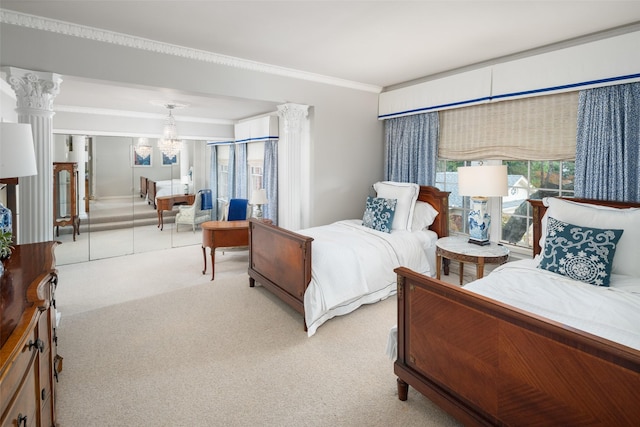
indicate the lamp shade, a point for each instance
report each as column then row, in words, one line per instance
column 259, row 197
column 483, row 181
column 17, row 155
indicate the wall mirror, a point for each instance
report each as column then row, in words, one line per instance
column 116, row 214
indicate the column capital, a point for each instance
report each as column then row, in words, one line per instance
column 34, row 89
column 293, row 115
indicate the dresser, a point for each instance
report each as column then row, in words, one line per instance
column 29, row 363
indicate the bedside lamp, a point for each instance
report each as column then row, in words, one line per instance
column 17, row 159
column 259, row 198
column 481, row 182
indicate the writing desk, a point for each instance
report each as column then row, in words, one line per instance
column 166, row 203
column 222, row 234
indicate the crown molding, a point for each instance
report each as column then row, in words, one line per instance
column 96, row 34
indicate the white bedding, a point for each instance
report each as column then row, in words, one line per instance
column 353, row 265
column 610, row 312
column 168, row 187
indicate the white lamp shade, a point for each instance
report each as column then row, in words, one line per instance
column 17, row 155
column 482, row 181
column 259, row 197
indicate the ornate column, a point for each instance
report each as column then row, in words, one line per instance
column 294, row 172
column 35, row 92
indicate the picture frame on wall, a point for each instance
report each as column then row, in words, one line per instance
column 169, row 160
column 140, row 159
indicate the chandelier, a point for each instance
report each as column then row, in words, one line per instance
column 169, row 144
column 144, row 147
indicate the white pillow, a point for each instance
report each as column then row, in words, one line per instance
column 423, row 216
column 626, row 260
column 406, row 194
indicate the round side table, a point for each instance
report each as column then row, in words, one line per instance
column 458, row 249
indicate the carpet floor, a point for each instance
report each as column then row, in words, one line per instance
column 165, row 346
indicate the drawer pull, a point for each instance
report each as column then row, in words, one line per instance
column 22, row 420
column 39, row 344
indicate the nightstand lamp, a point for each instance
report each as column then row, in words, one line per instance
column 258, row 198
column 481, row 182
column 17, row 159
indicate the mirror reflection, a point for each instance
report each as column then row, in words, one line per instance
column 127, row 196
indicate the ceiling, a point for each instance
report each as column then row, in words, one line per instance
column 377, row 43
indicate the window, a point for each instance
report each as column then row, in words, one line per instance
column 526, row 179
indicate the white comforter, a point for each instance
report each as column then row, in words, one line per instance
column 612, row 313
column 353, row 265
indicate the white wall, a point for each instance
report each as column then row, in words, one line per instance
column 346, row 137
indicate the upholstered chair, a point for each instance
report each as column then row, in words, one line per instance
column 194, row 214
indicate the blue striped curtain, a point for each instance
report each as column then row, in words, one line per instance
column 270, row 180
column 411, row 148
column 241, row 172
column 231, row 173
column 213, row 179
column 608, row 143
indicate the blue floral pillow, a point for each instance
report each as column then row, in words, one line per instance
column 580, row 253
column 378, row 213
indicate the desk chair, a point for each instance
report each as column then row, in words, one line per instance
column 197, row 213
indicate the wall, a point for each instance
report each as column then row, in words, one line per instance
column 347, row 138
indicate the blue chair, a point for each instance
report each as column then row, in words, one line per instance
column 237, row 209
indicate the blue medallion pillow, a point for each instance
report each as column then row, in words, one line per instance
column 379, row 213
column 580, row 253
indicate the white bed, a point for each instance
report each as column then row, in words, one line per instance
column 353, row 265
column 331, row 270
column 167, row 187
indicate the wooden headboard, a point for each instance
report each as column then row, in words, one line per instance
column 440, row 201
column 539, row 210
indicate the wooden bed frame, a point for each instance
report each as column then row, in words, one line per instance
column 487, row 363
column 151, row 193
column 143, row 187
column 280, row 260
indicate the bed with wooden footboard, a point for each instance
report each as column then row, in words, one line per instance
column 304, row 268
column 143, row 186
column 527, row 344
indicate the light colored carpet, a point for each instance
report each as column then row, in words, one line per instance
column 147, row 340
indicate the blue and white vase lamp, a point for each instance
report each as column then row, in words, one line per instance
column 480, row 183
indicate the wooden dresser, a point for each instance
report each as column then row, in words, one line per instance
column 29, row 363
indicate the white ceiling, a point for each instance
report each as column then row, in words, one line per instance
column 378, row 43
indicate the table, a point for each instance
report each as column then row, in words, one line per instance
column 166, row 203
column 222, row 234
column 458, row 249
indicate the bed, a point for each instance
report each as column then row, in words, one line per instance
column 481, row 353
column 327, row 271
column 167, row 187
column 143, row 187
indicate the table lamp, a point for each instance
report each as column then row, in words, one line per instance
column 17, row 159
column 481, row 182
column 259, row 198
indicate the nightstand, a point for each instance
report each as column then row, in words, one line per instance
column 458, row 249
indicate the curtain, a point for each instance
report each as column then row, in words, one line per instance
column 411, row 148
column 608, row 143
column 213, row 180
column 231, row 173
column 270, row 180
column 241, row 172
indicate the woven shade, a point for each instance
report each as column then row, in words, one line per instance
column 538, row 128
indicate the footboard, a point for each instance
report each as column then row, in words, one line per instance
column 151, row 193
column 280, row 260
column 489, row 364
column 143, row 187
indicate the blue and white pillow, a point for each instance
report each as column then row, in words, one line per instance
column 379, row 213
column 580, row 253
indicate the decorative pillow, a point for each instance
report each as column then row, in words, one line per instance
column 423, row 216
column 406, row 194
column 605, row 217
column 580, row 253
column 379, row 213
